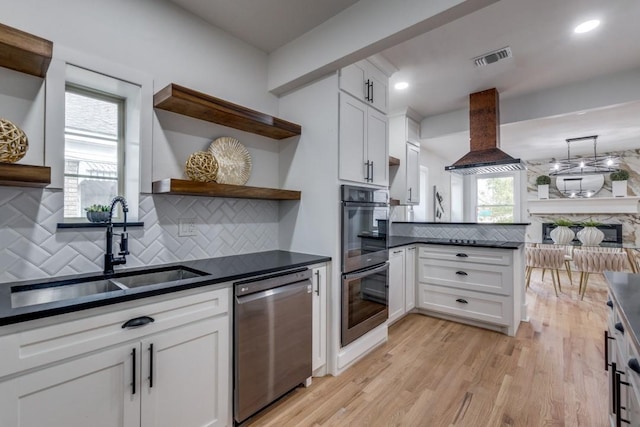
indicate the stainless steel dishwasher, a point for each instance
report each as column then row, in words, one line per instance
column 272, row 339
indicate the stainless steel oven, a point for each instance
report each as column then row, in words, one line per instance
column 365, row 267
column 365, row 214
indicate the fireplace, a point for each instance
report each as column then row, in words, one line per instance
column 612, row 232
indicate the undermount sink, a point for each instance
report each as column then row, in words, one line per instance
column 22, row 296
column 46, row 292
column 155, row 277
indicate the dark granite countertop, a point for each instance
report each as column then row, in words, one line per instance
column 217, row 271
column 625, row 289
column 396, row 241
column 489, row 224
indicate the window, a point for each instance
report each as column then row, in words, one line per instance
column 495, row 198
column 93, row 149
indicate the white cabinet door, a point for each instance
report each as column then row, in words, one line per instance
column 353, row 118
column 95, row 390
column 319, row 337
column 410, row 279
column 353, row 79
column 185, row 375
column 413, row 174
column 378, row 93
column 396, row 285
column 377, row 147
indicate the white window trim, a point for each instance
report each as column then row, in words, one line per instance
column 471, row 189
column 68, row 65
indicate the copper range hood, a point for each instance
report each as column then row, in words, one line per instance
column 485, row 155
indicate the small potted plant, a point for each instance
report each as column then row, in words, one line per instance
column 98, row 213
column 543, row 182
column 562, row 234
column 619, row 183
column 590, row 235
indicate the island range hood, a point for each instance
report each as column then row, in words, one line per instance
column 485, row 155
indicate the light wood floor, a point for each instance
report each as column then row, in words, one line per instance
column 438, row 373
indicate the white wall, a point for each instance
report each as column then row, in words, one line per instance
column 438, row 177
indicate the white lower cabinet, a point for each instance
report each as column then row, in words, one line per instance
column 396, row 284
column 172, row 371
column 410, row 279
column 319, row 307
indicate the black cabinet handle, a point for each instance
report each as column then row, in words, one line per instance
column 409, row 193
column 462, row 301
column 371, row 176
column 618, row 407
column 367, row 96
column 606, row 349
column 133, row 371
column 366, row 178
column 614, row 395
column 461, row 273
column 318, row 282
column 137, row 322
column 462, row 255
column 610, row 303
column 371, row 96
column 634, row 365
column 151, row 365
column 619, row 327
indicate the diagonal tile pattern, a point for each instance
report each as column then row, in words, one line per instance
column 31, row 247
column 495, row 232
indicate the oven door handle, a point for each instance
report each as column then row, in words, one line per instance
column 366, row 204
column 361, row 274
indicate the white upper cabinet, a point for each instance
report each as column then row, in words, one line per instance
column 363, row 143
column 367, row 83
column 404, row 144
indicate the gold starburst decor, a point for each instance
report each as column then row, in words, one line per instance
column 13, row 142
column 201, row 166
column 234, row 161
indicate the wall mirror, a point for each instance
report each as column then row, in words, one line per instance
column 577, row 186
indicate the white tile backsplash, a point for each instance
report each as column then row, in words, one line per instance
column 31, row 247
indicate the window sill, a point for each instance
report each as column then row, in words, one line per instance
column 63, row 225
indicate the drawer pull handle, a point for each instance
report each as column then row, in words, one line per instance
column 606, row 349
column 133, row 371
column 137, row 322
column 619, row 327
column 462, row 255
column 610, row 303
column 462, row 301
column 634, row 365
column 461, row 273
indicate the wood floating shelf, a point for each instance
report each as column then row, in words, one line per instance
column 24, row 52
column 212, row 189
column 394, row 161
column 394, row 202
column 188, row 102
column 17, row 175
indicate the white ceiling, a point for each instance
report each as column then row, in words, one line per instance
column 439, row 67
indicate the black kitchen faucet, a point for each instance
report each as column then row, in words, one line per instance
column 109, row 259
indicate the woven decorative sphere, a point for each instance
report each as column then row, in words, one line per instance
column 201, row 166
column 13, row 142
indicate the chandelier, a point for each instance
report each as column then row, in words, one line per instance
column 583, row 165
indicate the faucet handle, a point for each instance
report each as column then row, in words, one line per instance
column 124, row 244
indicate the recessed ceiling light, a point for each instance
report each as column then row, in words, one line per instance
column 401, row 85
column 587, row 26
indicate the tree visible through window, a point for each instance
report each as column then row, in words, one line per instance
column 93, row 150
column 495, row 199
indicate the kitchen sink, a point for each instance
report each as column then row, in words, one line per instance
column 154, row 277
column 46, row 292
column 22, row 296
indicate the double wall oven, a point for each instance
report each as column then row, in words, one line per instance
column 365, row 260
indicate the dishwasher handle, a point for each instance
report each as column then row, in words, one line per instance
column 250, row 286
column 273, row 292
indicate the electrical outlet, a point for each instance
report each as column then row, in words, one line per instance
column 187, row 227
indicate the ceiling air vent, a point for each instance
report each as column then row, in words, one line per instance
column 491, row 57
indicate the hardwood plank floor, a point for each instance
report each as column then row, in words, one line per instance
column 433, row 372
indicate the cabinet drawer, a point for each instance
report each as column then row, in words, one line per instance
column 477, row 277
column 493, row 309
column 43, row 345
column 465, row 254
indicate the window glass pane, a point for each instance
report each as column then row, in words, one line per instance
column 495, row 199
column 91, row 151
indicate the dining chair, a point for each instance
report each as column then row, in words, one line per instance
column 547, row 259
column 568, row 257
column 595, row 261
